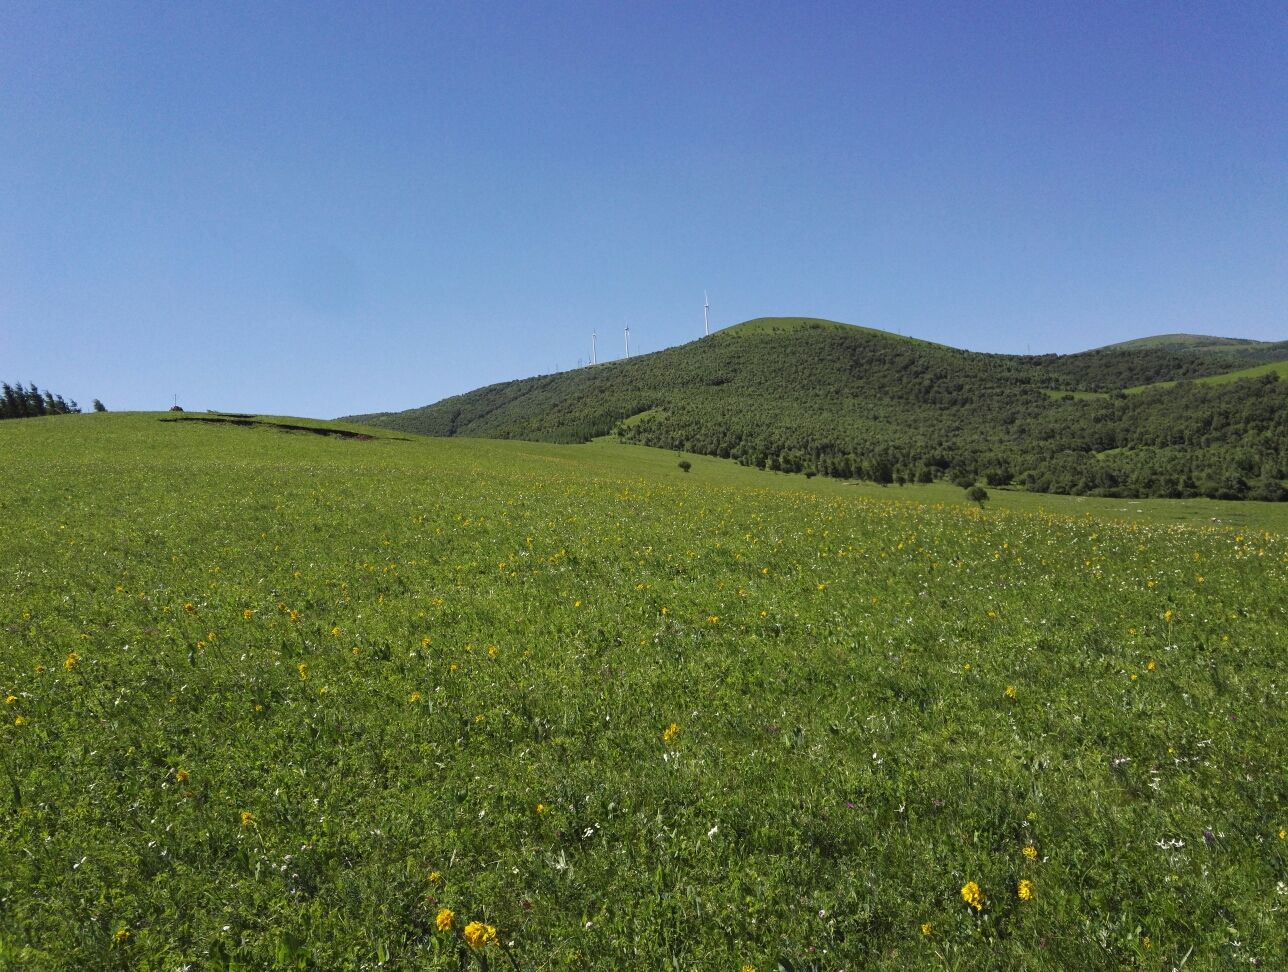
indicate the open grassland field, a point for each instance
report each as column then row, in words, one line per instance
column 285, row 701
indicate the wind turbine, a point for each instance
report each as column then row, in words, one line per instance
column 628, row 340
column 706, row 313
column 594, row 353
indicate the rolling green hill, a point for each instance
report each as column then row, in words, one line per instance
column 816, row 396
column 1190, row 342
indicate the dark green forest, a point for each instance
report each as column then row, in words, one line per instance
column 816, row 397
column 19, row 402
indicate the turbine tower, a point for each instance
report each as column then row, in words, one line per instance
column 706, row 313
column 594, row 354
column 628, row 340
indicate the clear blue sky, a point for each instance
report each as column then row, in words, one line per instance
column 320, row 209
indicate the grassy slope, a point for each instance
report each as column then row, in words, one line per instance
column 845, row 755
column 1186, row 341
column 1279, row 368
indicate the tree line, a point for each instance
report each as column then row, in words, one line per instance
column 17, row 401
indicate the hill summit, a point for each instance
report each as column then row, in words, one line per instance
column 822, row 397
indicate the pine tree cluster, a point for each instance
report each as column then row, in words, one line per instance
column 29, row 402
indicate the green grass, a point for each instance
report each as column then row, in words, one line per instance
column 1279, row 368
column 1203, row 341
column 440, row 673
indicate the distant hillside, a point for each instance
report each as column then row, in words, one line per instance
column 1188, row 342
column 815, row 396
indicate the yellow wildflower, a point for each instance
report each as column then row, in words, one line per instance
column 452, row 667
column 926, row 929
column 446, row 919
column 336, row 631
column 1167, row 615
column 181, row 775
column 248, row 614
column 1025, row 890
column 190, row 607
column 247, row 819
column 122, row 934
column 10, row 699
column 492, row 651
column 478, row 935
column 670, row 732
column 303, row 669
column 1031, row 852
column 541, row 808
column 972, row 895
column 434, row 877
column 414, row 697
column 40, row 669
column 1010, row 692
column 71, row 661
column 424, row 642
column 19, row 720
column 1150, row 665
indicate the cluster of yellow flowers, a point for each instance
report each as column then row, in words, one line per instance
column 973, row 896
column 670, row 732
column 477, row 934
column 1025, row 890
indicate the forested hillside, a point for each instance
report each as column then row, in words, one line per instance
column 820, row 397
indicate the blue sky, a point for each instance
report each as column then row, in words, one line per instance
column 321, row 209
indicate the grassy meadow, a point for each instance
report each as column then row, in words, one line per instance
column 287, row 701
